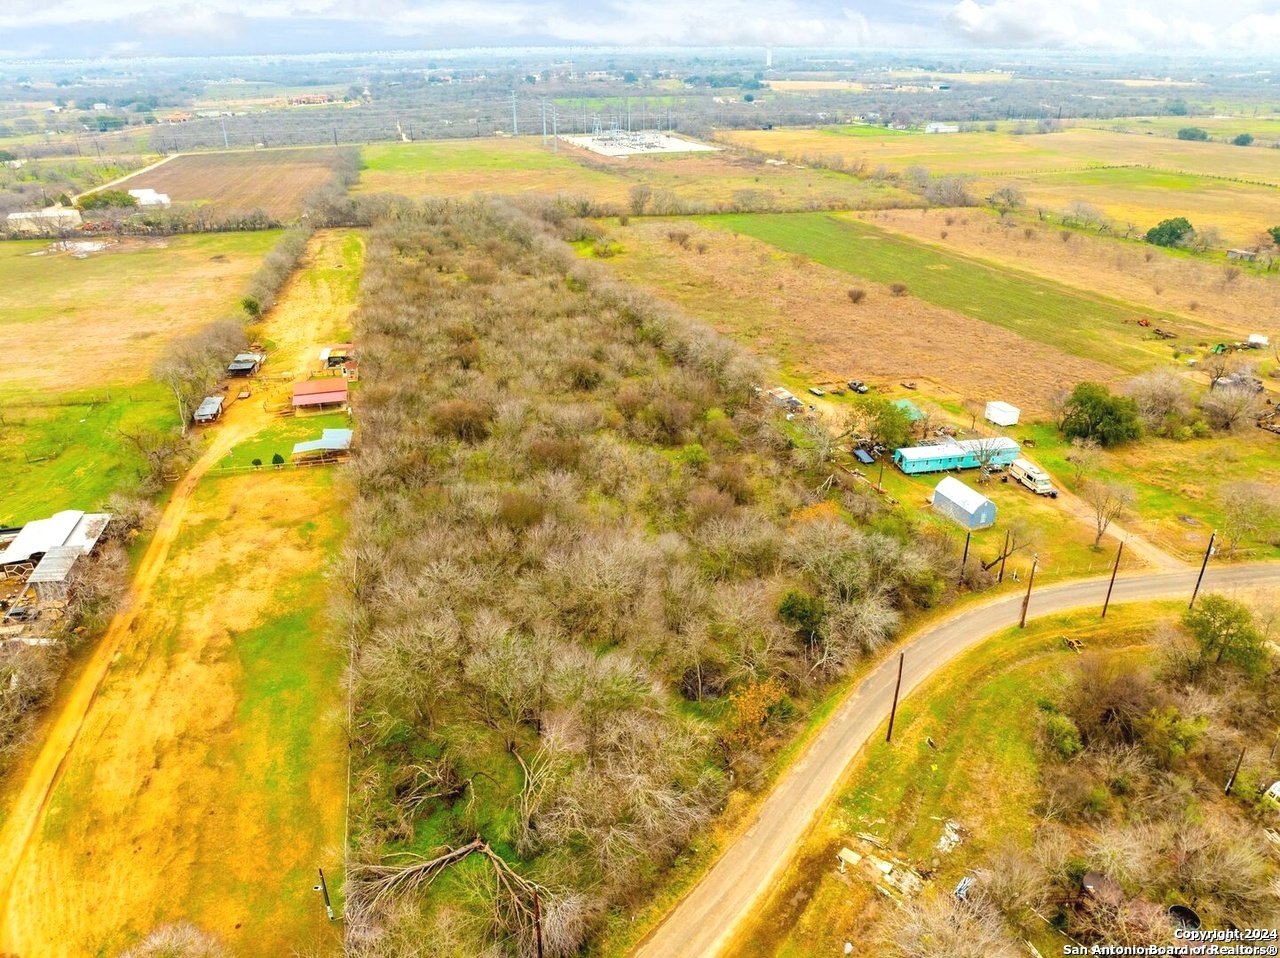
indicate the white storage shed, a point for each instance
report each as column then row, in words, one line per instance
column 1002, row 414
column 968, row 507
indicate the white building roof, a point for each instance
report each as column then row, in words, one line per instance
column 970, row 500
column 56, row 565
column 956, row 448
column 71, row 528
column 331, row 440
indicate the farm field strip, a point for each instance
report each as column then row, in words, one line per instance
column 797, row 313
column 1070, row 320
column 1167, row 281
column 995, row 154
column 276, row 181
column 513, row 165
column 201, row 758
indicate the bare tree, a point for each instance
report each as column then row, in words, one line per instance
column 1230, row 407
column 940, row 927
column 191, row 365
column 181, row 940
column 986, row 449
column 1084, row 456
column 1246, row 508
column 1163, row 399
column 1109, row 500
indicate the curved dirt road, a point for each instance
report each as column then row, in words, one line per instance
column 27, row 809
column 702, row 923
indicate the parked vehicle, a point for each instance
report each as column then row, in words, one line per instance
column 857, row 385
column 1033, row 477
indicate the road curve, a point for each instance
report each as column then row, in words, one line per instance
column 702, row 923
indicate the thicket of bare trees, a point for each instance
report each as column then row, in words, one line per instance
column 574, row 527
column 1136, row 755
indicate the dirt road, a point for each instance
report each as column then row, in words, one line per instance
column 151, row 796
column 27, row 809
column 701, row 924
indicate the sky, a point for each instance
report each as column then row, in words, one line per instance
column 52, row 28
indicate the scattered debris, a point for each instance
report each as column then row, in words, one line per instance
column 962, row 889
column 951, row 837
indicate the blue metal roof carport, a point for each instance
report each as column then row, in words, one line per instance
column 331, row 440
column 968, row 507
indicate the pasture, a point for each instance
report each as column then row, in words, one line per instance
column 276, row 181
column 215, row 782
column 1146, row 276
column 87, row 331
column 794, row 310
column 1070, row 320
column 1212, row 183
column 688, row 182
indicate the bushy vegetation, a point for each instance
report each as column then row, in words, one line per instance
column 104, row 199
column 588, row 586
column 1092, row 411
column 1170, row 232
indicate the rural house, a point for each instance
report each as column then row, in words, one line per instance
column 953, row 454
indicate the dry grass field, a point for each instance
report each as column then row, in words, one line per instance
column 1213, row 184
column 1167, row 281
column 798, row 313
column 88, row 322
column 276, row 181
column 515, row 165
column 204, row 778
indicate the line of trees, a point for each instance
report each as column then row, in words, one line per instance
column 589, row 584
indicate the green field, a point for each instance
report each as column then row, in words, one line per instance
column 87, row 331
column 1047, row 312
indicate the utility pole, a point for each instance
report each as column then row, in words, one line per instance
column 1203, row 565
column 1026, row 599
column 544, row 121
column 1004, row 555
column 965, row 558
column 515, row 121
column 1114, row 569
column 894, row 711
column 226, row 142
column 323, row 889
column 1232, row 780
column 555, row 130
column 880, row 481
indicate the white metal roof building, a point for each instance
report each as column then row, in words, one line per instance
column 331, row 440
column 967, row 506
column 210, row 408
column 149, row 197
column 52, row 577
column 1002, row 413
column 70, row 528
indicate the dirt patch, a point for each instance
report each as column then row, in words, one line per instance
column 799, row 313
column 276, row 181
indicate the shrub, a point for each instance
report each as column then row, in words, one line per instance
column 519, row 510
column 857, row 295
column 1193, row 133
column 1170, row 232
column 1244, row 139
column 257, row 463
column 1063, row 735
column 460, row 419
column 898, row 289
column 277, row 459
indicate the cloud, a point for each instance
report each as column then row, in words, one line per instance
column 216, row 26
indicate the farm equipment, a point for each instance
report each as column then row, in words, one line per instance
column 908, row 385
column 1165, row 334
column 1270, row 421
column 1144, row 322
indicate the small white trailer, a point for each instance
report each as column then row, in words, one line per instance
column 1002, row 413
column 1031, row 476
